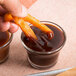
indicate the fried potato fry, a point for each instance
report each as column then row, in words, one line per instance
column 39, row 25
column 22, row 24
column 26, row 28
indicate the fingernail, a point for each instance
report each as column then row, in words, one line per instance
column 5, row 26
column 13, row 28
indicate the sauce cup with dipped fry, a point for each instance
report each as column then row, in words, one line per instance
column 43, row 53
column 42, row 40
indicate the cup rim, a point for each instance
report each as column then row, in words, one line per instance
column 50, row 52
column 10, row 39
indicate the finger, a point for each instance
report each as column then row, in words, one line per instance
column 2, row 11
column 28, row 3
column 13, row 28
column 4, row 26
column 14, row 7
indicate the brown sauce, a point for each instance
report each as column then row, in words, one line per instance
column 4, row 37
column 44, row 44
column 4, row 50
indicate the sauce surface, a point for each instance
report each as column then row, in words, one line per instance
column 4, row 37
column 44, row 44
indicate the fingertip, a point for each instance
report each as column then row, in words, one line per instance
column 13, row 28
column 4, row 26
column 21, row 13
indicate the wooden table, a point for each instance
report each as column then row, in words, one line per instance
column 62, row 12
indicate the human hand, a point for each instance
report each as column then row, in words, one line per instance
column 16, row 9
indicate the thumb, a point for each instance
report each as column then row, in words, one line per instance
column 14, row 7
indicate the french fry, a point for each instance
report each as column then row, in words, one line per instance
column 39, row 25
column 25, row 28
column 8, row 17
column 22, row 24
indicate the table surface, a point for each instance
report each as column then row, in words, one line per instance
column 62, row 12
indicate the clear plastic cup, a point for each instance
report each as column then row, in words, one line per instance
column 44, row 60
column 4, row 49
